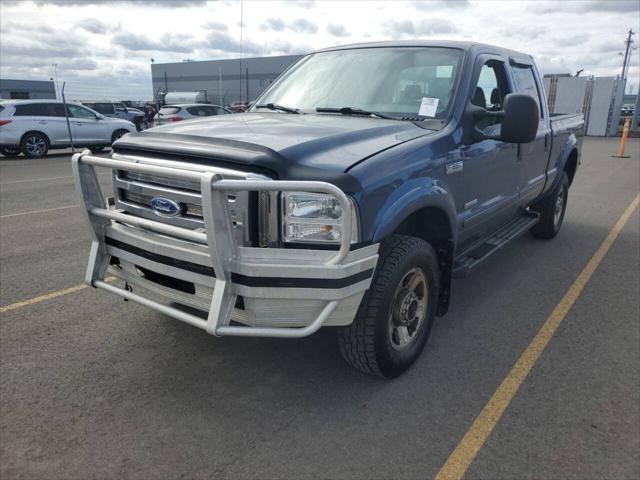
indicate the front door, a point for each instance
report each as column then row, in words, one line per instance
column 86, row 127
column 485, row 175
column 534, row 155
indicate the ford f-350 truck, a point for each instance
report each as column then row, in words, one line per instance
column 349, row 195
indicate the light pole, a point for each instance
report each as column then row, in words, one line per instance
column 55, row 75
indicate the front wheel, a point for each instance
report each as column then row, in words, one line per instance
column 117, row 134
column 396, row 314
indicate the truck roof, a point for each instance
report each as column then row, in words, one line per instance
column 467, row 45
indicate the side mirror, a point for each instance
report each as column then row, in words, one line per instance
column 521, row 118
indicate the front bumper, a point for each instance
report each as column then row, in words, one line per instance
column 266, row 291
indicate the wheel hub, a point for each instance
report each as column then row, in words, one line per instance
column 409, row 309
column 405, row 308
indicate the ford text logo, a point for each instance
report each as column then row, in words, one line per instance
column 164, row 206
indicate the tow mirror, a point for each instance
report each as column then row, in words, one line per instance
column 519, row 124
column 521, row 118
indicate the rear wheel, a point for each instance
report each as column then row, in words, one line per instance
column 10, row 151
column 34, row 145
column 395, row 317
column 551, row 210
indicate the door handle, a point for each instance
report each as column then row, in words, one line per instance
column 77, row 123
column 42, row 122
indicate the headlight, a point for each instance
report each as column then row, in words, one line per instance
column 313, row 217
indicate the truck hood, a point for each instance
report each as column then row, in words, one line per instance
column 294, row 147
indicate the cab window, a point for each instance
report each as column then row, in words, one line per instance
column 490, row 91
column 526, row 83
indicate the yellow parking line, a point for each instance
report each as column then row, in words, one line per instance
column 37, row 211
column 48, row 296
column 466, row 451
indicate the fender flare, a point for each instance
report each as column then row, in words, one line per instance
column 411, row 197
column 569, row 146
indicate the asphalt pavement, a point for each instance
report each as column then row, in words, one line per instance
column 93, row 387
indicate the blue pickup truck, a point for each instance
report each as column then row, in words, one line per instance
column 351, row 193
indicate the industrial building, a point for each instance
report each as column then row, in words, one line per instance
column 27, row 89
column 599, row 98
column 224, row 81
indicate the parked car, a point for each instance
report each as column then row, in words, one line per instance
column 351, row 193
column 34, row 127
column 118, row 110
column 238, row 107
column 177, row 113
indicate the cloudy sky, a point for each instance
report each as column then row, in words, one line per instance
column 102, row 48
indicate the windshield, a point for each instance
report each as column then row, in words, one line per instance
column 397, row 81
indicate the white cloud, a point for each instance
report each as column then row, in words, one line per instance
column 104, row 46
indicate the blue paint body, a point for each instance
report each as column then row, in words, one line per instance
column 400, row 167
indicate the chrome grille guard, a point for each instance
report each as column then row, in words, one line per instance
column 225, row 256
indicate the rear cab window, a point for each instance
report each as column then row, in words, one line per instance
column 103, row 108
column 525, row 81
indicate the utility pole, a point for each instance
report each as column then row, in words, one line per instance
column 627, row 57
column 220, row 83
column 241, row 27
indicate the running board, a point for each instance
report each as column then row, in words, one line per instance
column 471, row 257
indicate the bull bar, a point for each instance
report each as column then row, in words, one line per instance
column 216, row 248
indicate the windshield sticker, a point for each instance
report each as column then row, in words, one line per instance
column 428, row 106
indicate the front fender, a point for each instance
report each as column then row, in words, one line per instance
column 412, row 196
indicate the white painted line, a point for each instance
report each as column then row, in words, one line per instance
column 38, row 211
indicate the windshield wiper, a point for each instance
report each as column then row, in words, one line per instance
column 353, row 111
column 275, row 106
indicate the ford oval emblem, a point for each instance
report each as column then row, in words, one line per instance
column 165, row 206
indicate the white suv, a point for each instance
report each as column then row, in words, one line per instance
column 33, row 127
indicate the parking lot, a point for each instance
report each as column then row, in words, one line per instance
column 93, row 387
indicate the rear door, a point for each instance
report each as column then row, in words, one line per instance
column 86, row 127
column 45, row 117
column 484, row 177
column 533, row 157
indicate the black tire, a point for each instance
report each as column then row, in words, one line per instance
column 552, row 210
column 34, row 145
column 370, row 344
column 117, row 134
column 10, row 151
column 97, row 149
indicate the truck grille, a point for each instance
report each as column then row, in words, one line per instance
column 135, row 191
